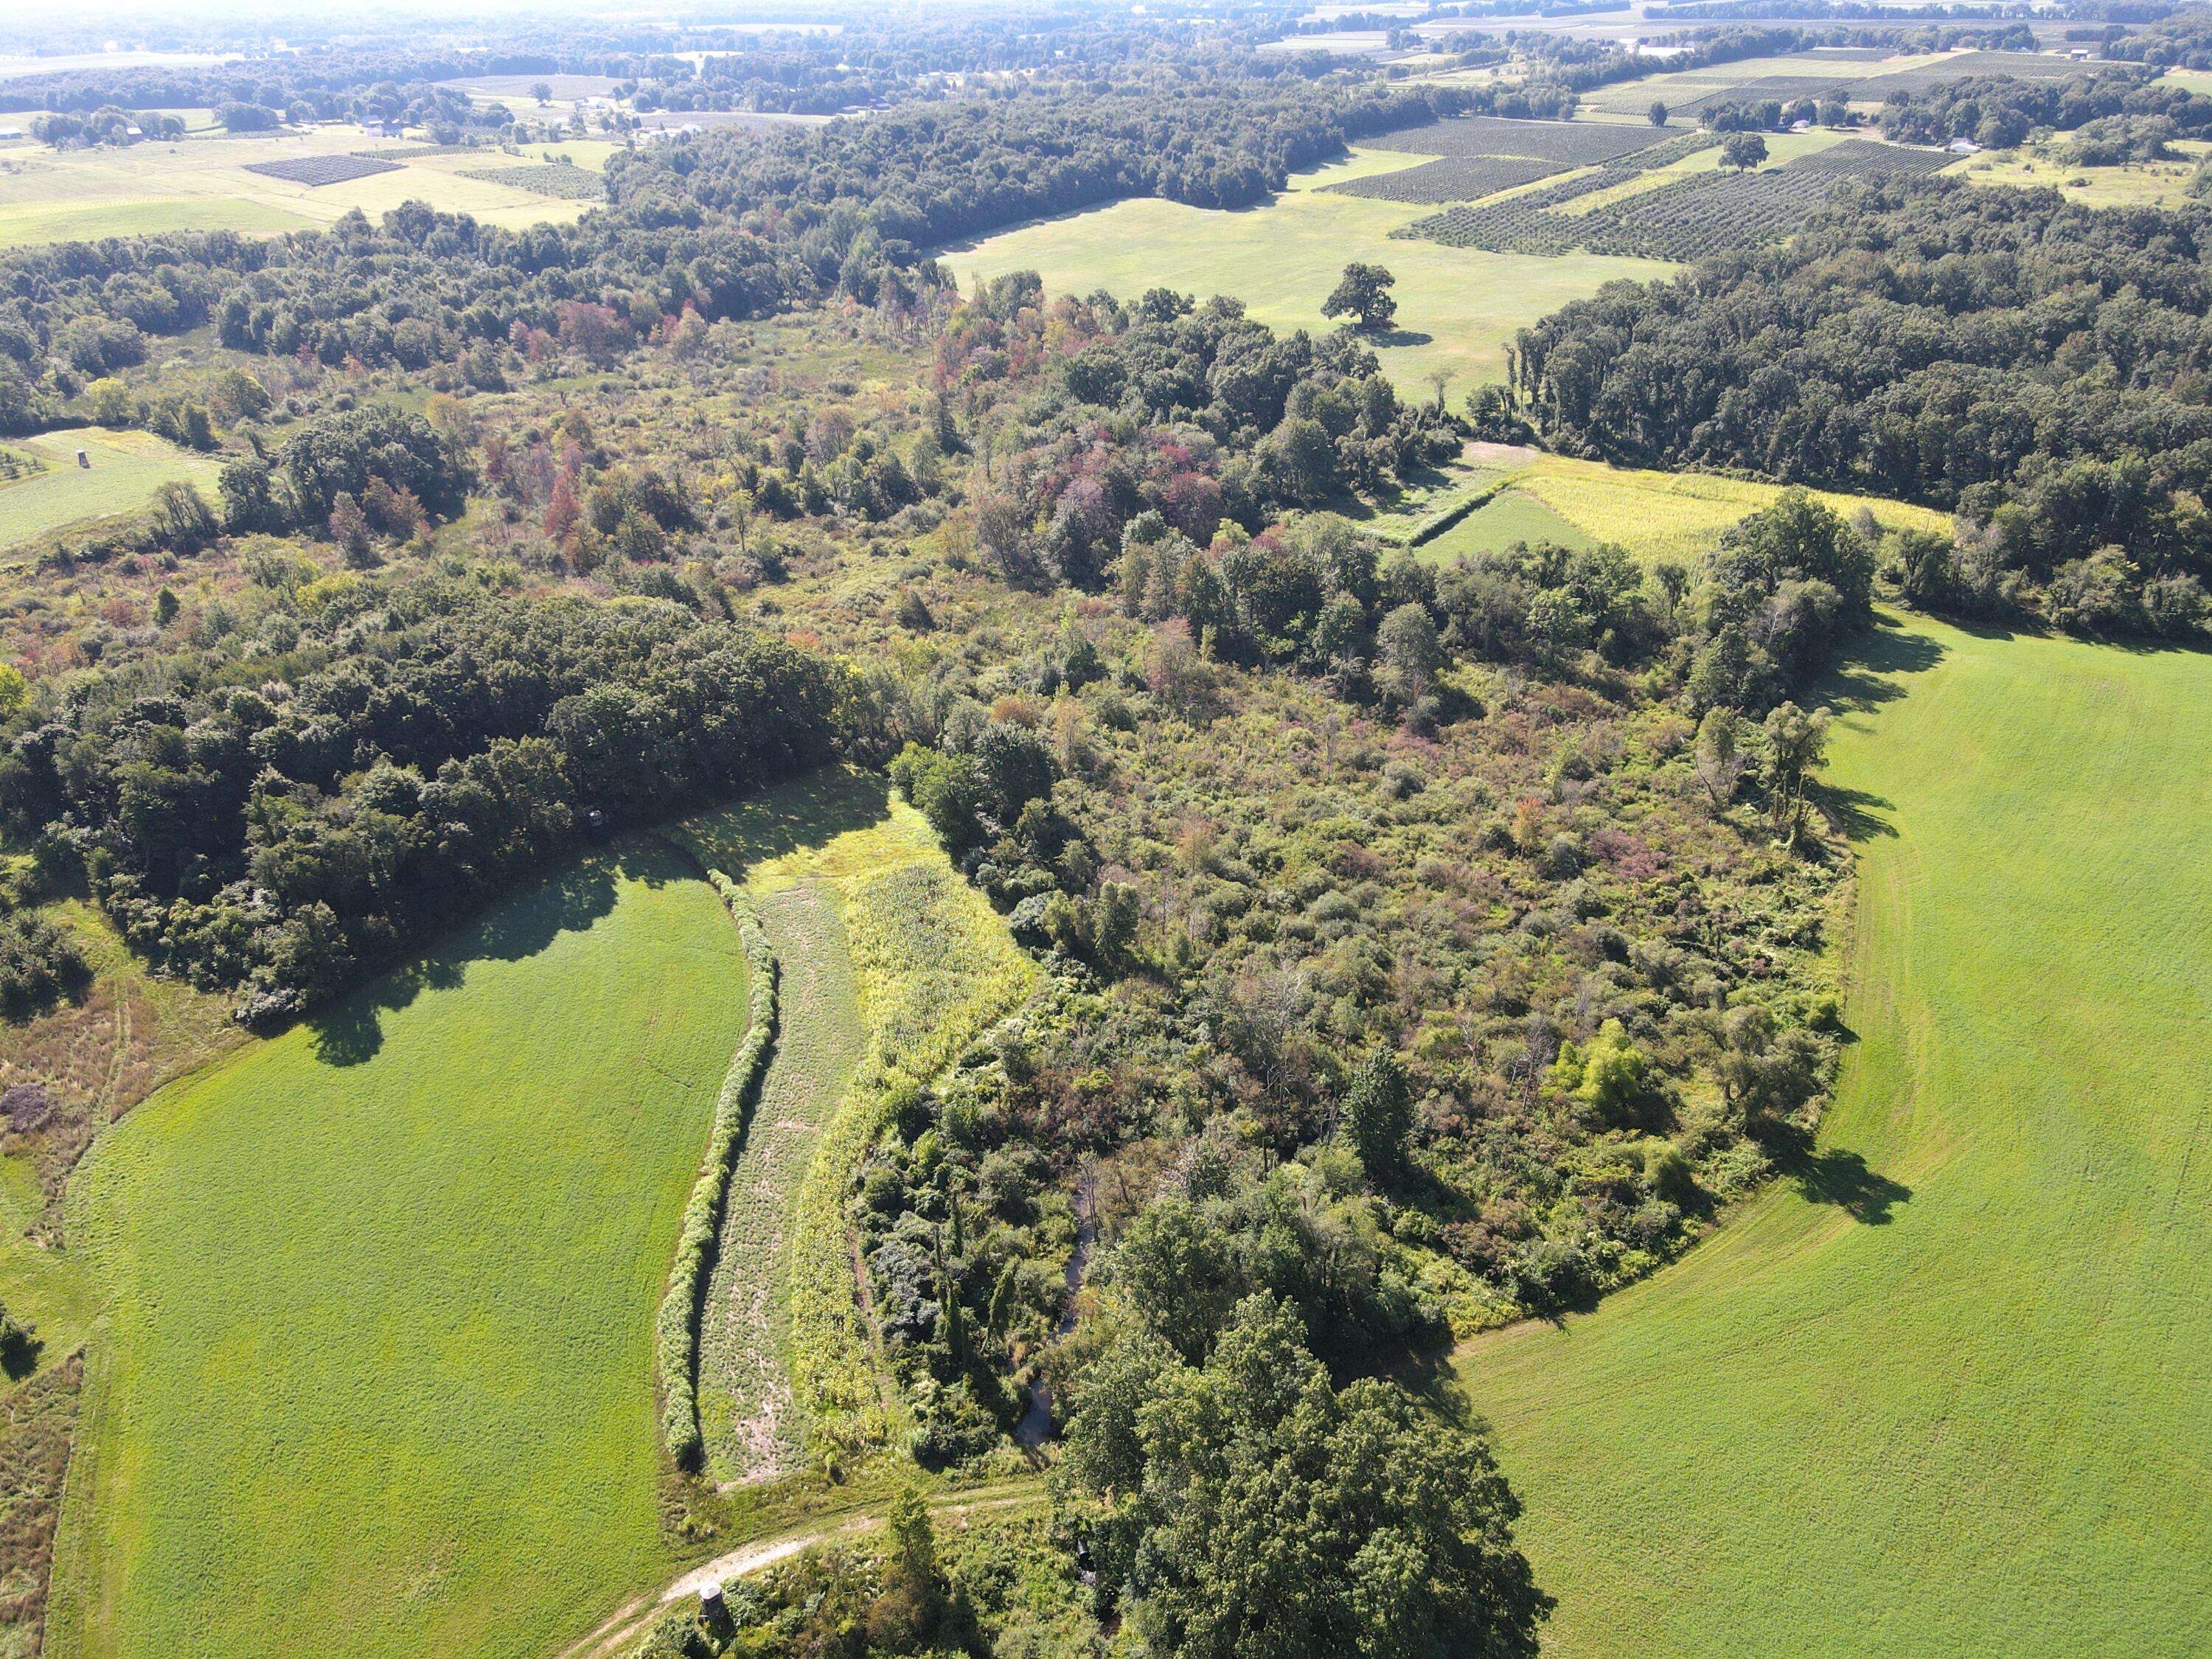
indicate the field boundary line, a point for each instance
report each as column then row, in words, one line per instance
column 677, row 1327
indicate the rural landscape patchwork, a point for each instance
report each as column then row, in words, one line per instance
column 1229, row 828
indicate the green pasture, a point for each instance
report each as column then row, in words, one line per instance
column 1949, row 1390
column 1653, row 515
column 1510, row 516
column 203, row 184
column 127, row 468
column 1458, row 309
column 375, row 1371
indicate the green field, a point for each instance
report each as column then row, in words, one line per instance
column 1952, row 1391
column 2044, row 167
column 376, row 1376
column 1458, row 309
column 127, row 468
column 1578, row 503
column 202, row 184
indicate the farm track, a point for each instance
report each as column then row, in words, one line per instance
column 634, row 1616
column 746, row 1411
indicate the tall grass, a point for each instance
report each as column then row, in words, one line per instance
column 677, row 1330
column 935, row 966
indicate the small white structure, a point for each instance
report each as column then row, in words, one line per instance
column 1964, row 147
column 1801, row 126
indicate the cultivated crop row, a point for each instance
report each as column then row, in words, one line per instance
column 1689, row 218
column 1782, row 88
column 1859, row 158
column 1454, row 179
column 2020, row 65
column 545, row 179
column 316, row 170
column 1571, row 143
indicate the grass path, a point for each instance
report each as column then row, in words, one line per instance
column 375, row 1375
column 1953, row 1392
column 746, row 1413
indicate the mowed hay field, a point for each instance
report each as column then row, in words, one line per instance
column 375, row 1375
column 127, row 468
column 203, row 184
column 1458, row 309
column 1653, row 515
column 1952, row 1392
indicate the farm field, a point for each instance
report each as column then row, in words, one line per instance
column 127, row 468
column 1652, row 514
column 426, row 1423
column 1951, row 1390
column 206, row 184
column 1458, row 310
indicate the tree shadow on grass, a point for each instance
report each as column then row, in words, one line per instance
column 351, row 1032
column 829, row 802
column 1879, row 660
column 1842, row 1178
column 1858, row 813
column 19, row 1354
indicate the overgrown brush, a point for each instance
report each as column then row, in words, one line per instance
column 935, row 966
column 677, row 1330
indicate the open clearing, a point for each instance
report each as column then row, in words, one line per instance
column 127, row 468
column 425, row 1423
column 1653, row 515
column 1458, row 309
column 203, row 184
column 1952, row 1392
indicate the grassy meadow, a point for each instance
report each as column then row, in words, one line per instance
column 202, row 184
column 127, row 468
column 1950, row 1390
column 1458, row 309
column 2043, row 167
column 1653, row 515
column 375, row 1374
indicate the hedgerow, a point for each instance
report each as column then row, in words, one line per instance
column 676, row 1331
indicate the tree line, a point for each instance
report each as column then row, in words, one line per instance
column 275, row 810
column 2025, row 362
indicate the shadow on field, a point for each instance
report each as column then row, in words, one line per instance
column 832, row 801
column 1858, row 813
column 572, row 898
column 1879, row 659
column 1842, row 1178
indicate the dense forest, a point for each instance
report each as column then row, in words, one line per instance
column 2033, row 365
